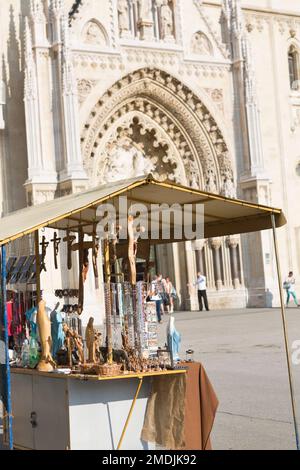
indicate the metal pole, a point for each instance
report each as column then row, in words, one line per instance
column 38, row 266
column 7, row 394
column 286, row 340
column 130, row 412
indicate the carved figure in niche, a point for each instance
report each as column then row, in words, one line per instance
column 123, row 14
column 167, row 22
column 94, row 35
column 145, row 10
column 193, row 173
column 201, row 44
column 228, row 189
column 125, row 160
column 211, row 185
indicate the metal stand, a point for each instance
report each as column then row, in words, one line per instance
column 130, row 412
column 286, row 341
column 7, row 380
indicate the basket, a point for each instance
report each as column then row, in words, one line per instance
column 110, row 370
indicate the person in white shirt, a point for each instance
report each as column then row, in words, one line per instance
column 201, row 288
column 290, row 289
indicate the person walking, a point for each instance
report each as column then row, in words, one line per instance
column 155, row 296
column 201, row 289
column 168, row 298
column 289, row 285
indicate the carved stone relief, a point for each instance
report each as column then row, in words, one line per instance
column 201, row 45
column 179, row 113
column 94, row 35
column 84, row 88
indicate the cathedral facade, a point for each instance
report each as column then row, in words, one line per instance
column 203, row 93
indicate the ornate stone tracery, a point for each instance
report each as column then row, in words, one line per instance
column 179, row 123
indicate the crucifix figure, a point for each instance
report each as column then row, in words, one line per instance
column 83, row 248
column 56, row 242
column 95, row 252
column 69, row 239
column 44, row 244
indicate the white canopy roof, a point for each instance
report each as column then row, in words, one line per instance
column 222, row 216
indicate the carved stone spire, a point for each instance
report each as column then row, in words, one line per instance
column 244, row 68
column 73, row 165
column 38, row 21
column 57, row 8
column 33, row 129
column 30, row 69
column 69, row 79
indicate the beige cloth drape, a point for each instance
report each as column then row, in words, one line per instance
column 165, row 412
column 181, row 411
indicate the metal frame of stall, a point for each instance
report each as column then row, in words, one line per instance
column 260, row 218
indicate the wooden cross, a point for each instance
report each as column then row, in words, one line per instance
column 83, row 248
column 69, row 239
column 56, row 242
column 44, row 244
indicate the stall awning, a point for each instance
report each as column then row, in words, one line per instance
column 222, row 216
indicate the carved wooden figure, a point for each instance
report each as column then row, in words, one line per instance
column 90, row 337
column 46, row 363
column 69, row 239
column 56, row 242
column 44, row 244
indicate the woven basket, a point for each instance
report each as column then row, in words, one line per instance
column 110, row 370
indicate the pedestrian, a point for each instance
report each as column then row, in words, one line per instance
column 155, row 296
column 201, row 289
column 289, row 286
column 168, row 297
column 161, row 283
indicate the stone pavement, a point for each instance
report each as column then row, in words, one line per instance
column 243, row 354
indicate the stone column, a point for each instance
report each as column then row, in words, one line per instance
column 233, row 243
column 216, row 245
column 198, row 247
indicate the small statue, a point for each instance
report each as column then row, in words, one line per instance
column 167, row 22
column 46, row 363
column 123, row 17
column 145, row 10
column 90, row 337
column 57, row 333
column 173, row 340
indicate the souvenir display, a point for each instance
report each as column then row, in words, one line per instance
column 129, row 343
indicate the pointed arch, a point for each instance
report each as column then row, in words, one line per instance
column 175, row 111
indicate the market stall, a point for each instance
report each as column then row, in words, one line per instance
column 136, row 359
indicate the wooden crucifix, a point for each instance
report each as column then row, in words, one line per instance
column 44, row 244
column 56, row 242
column 83, row 248
column 69, row 239
column 133, row 237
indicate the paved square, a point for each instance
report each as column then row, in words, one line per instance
column 243, row 354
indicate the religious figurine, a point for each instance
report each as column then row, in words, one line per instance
column 173, row 340
column 46, row 363
column 90, row 337
column 57, row 333
column 74, row 345
column 123, row 14
column 69, row 239
column 44, row 246
column 167, row 22
column 56, row 241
